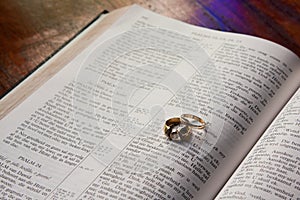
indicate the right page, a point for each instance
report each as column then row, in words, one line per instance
column 272, row 169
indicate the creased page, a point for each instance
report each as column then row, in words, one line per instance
column 272, row 168
column 95, row 130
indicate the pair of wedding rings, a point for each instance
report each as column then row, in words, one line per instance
column 181, row 127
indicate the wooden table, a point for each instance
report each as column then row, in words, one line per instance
column 31, row 30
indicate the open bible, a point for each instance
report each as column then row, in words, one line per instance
column 88, row 124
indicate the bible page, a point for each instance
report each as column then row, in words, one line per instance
column 272, row 168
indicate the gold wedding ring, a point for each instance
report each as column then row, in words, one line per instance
column 169, row 126
column 192, row 121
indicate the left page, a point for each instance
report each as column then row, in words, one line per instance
column 95, row 130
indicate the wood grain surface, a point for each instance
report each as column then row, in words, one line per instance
column 32, row 30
